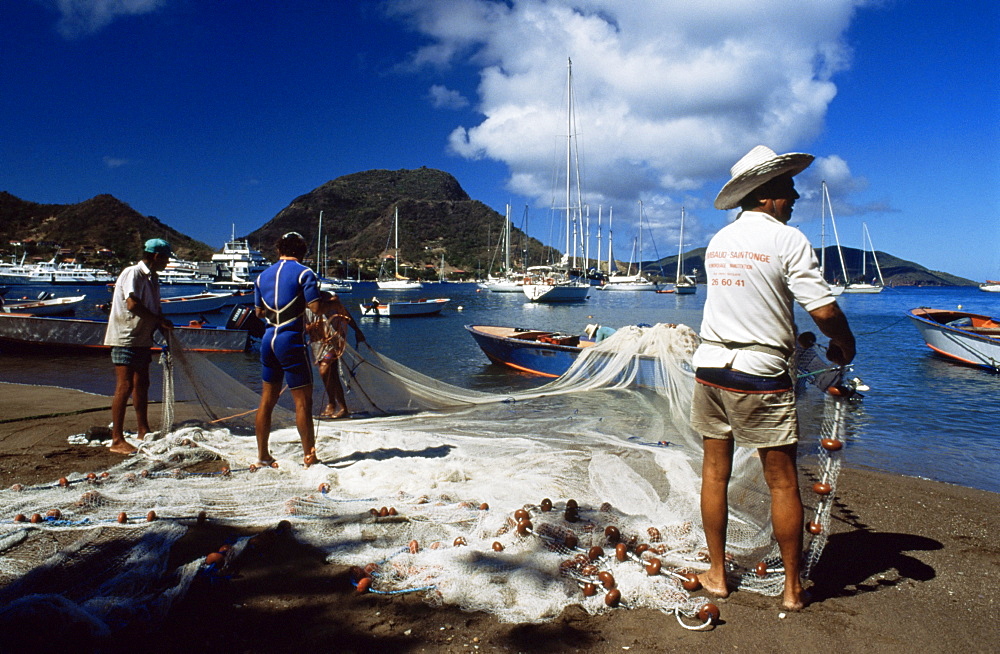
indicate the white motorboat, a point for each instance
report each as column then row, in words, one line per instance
column 991, row 286
column 206, row 302
column 403, row 308
column 547, row 284
column 45, row 305
column 239, row 261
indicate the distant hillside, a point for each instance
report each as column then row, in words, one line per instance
column 436, row 217
column 85, row 228
column 895, row 271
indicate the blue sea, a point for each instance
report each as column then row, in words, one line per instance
column 924, row 416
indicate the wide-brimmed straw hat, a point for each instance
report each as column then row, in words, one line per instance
column 756, row 168
column 590, row 330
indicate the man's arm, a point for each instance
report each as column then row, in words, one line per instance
column 833, row 323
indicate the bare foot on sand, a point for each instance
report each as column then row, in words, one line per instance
column 713, row 586
column 123, row 447
column 310, row 458
column 795, row 601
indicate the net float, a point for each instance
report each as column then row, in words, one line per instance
column 831, row 444
column 373, row 512
column 613, row 598
column 761, row 569
column 324, row 488
column 144, row 473
column 589, row 590
column 524, row 527
column 414, row 546
column 364, row 584
column 202, row 517
column 53, row 513
column 36, row 518
column 595, row 552
column 612, row 534
column 640, row 548
column 392, row 511
column 63, row 482
column 459, row 541
column 571, row 504
column 17, row 488
column 383, row 512
column 19, row 518
column 521, row 514
column 253, row 467
column 571, row 515
column 151, row 516
column 815, row 528
column 571, row 540
column 607, row 579
column 621, row 551
column 653, row 566
column 214, row 558
column 370, row 568
column 225, row 472
column 484, row 507
column 497, row 546
column 822, row 488
column 590, row 570
column 691, row 582
column 224, row 548
column 357, row 572
column 436, row 545
column 546, row 504
column 105, row 475
column 708, row 613
column 91, row 476
column 122, row 518
column 654, row 535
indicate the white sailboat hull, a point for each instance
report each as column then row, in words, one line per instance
column 862, row 288
column 399, row 285
column 571, row 292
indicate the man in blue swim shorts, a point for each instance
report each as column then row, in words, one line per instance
column 281, row 295
column 758, row 268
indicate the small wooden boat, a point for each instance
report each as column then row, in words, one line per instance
column 205, row 302
column 45, row 306
column 403, row 308
column 539, row 352
column 969, row 338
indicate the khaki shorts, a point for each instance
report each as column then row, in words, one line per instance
column 749, row 419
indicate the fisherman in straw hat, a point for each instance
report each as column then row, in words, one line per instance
column 757, row 266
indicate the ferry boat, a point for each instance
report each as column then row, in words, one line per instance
column 239, row 261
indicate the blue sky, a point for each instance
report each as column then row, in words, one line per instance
column 209, row 114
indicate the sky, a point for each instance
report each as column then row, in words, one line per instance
column 214, row 116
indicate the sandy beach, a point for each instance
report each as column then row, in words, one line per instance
column 909, row 564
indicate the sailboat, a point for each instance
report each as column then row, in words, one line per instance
column 397, row 283
column 325, row 283
column 825, row 203
column 683, row 284
column 864, row 286
column 508, row 281
column 550, row 283
column 629, row 282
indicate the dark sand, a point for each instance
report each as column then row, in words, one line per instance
column 910, row 566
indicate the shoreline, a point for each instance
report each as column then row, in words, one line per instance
column 909, row 562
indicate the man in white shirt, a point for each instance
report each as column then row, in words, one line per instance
column 135, row 315
column 757, row 267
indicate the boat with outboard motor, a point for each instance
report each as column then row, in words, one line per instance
column 403, row 308
column 44, row 305
column 25, row 331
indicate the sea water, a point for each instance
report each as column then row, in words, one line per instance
column 924, row 416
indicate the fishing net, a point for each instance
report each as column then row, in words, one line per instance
column 581, row 491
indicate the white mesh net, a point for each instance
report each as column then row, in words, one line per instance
column 466, row 497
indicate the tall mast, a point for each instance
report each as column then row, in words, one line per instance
column 836, row 236
column 680, row 250
column 569, row 146
column 506, row 240
column 396, row 242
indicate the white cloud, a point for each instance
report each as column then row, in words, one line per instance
column 83, row 17
column 115, row 162
column 442, row 97
column 668, row 93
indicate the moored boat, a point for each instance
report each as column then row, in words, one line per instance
column 969, row 338
column 45, row 306
column 206, row 302
column 403, row 308
column 27, row 331
column 547, row 284
column 990, row 286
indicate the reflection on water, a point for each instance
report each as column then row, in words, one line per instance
column 924, row 416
